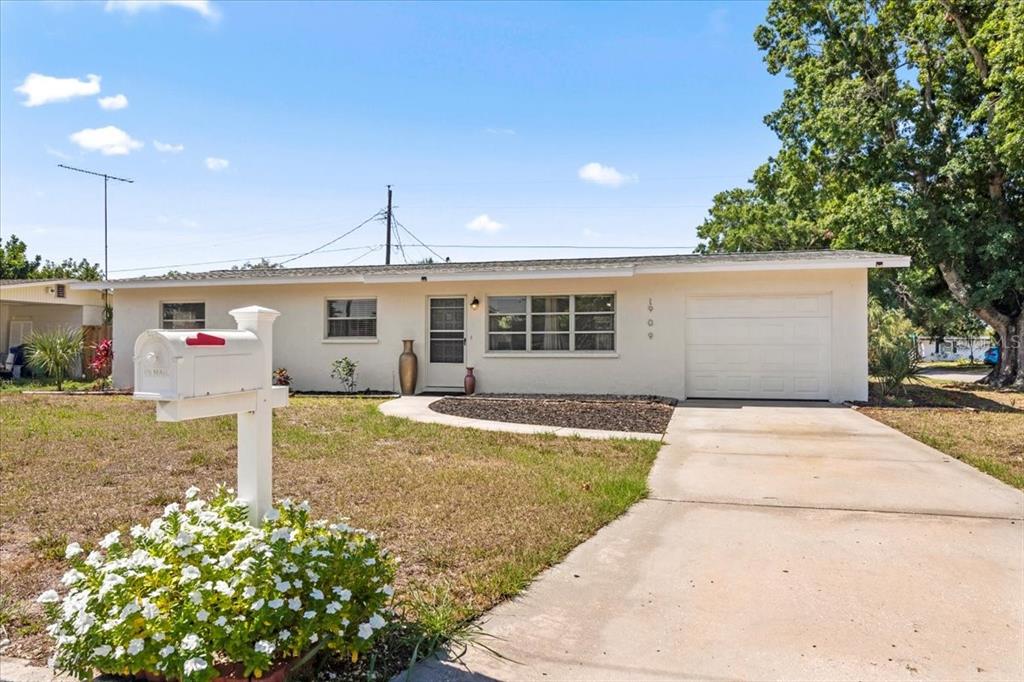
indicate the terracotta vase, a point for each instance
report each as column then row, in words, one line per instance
column 469, row 383
column 407, row 368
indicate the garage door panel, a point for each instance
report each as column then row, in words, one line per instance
column 758, row 347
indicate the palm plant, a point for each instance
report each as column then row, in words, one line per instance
column 54, row 352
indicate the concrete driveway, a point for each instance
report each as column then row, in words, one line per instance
column 780, row 541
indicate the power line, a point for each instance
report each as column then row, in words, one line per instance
column 237, row 260
column 364, row 254
column 326, row 244
column 409, row 232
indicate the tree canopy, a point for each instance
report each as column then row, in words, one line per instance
column 902, row 131
column 15, row 264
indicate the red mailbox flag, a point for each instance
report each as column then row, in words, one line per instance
column 201, row 339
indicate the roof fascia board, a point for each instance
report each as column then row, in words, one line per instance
column 755, row 266
column 564, row 273
column 40, row 283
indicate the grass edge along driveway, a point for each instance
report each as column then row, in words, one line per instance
column 473, row 515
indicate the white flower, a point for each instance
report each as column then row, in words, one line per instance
column 74, row 549
column 370, row 561
column 388, row 590
column 191, row 492
column 135, row 646
column 172, row 508
column 264, row 647
column 110, row 581
column 189, row 573
column 275, row 603
column 150, row 611
column 249, row 592
column 194, row 506
column 166, row 651
column 195, row 596
column 159, row 636
column 333, row 607
column 281, row 534
column 190, row 642
column 48, row 597
column 194, row 665
column 304, row 505
column 129, row 609
column 258, row 604
column 294, row 604
column 283, row 586
column 314, row 638
column 83, row 621
column 366, row 631
column 221, row 621
column 72, row 577
column 223, row 588
column 102, row 650
column 316, row 594
column 203, row 615
column 285, row 634
column 110, row 538
column 377, row 621
column 343, row 595
column 309, row 615
column 272, row 515
column 95, row 559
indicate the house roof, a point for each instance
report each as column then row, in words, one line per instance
column 521, row 269
column 25, row 282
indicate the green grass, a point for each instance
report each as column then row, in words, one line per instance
column 474, row 515
column 43, row 384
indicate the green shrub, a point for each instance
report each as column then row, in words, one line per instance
column 200, row 589
column 344, row 370
column 54, row 352
column 893, row 356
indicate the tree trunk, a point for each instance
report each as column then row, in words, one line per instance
column 1010, row 331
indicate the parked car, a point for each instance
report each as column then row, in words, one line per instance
column 992, row 356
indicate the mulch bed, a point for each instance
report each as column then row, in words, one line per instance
column 637, row 414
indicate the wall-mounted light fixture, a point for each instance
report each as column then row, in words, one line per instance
column 475, row 303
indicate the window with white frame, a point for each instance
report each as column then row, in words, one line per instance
column 183, row 315
column 351, row 318
column 562, row 323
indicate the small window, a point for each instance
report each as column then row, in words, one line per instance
column 62, row 291
column 183, row 315
column 352, row 318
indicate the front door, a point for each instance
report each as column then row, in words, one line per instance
column 446, row 346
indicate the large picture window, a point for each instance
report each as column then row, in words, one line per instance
column 551, row 323
column 352, row 318
column 183, row 315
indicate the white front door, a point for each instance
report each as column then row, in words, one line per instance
column 446, row 341
column 774, row 347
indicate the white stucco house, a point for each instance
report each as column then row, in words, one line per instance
column 30, row 305
column 781, row 325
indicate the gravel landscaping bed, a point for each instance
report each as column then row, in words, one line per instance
column 638, row 414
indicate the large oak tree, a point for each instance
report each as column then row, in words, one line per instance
column 903, row 130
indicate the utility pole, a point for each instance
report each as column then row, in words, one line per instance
column 387, row 248
column 106, row 179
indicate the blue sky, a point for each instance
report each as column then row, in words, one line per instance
column 280, row 124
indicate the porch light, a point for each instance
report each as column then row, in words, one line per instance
column 475, row 303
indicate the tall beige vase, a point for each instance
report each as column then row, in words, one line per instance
column 407, row 368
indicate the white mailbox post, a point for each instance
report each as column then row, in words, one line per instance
column 205, row 373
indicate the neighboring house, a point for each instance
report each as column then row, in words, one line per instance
column 755, row 325
column 28, row 305
column 953, row 347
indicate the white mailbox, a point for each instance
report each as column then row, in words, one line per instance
column 205, row 373
column 176, row 365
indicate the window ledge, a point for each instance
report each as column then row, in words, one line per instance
column 551, row 354
column 354, row 339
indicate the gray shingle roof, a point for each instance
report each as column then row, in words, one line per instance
column 487, row 267
column 12, row 282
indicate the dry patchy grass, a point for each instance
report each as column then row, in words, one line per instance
column 973, row 423
column 474, row 515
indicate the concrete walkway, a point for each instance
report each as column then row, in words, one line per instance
column 950, row 375
column 780, row 541
column 417, row 408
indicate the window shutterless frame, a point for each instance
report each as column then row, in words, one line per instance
column 172, row 322
column 591, row 329
column 350, row 321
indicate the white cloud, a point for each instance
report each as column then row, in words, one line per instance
column 39, row 89
column 215, row 164
column 484, row 223
column 109, row 141
column 203, row 8
column 57, row 153
column 604, row 175
column 114, row 102
column 167, row 147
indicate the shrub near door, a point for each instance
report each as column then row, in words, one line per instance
column 200, row 594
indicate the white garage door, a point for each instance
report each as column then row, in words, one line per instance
column 772, row 347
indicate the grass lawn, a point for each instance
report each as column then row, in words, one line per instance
column 982, row 427
column 956, row 365
column 473, row 515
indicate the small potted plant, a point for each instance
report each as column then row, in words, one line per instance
column 281, row 377
column 201, row 595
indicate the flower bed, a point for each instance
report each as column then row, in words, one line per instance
column 200, row 593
